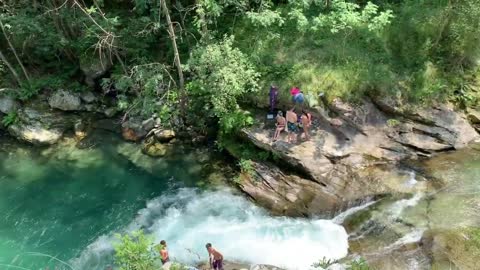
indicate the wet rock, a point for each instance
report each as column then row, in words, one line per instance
column 110, row 112
column 80, row 129
column 164, row 135
column 132, row 130
column 287, row 194
column 459, row 247
column 88, row 97
column 154, row 148
column 65, row 101
column 148, row 124
column 40, row 126
column 8, row 104
column 35, row 133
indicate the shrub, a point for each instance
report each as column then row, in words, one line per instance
column 10, row 118
column 133, row 252
column 221, row 75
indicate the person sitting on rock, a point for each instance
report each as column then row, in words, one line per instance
column 216, row 258
column 292, row 127
column 280, row 125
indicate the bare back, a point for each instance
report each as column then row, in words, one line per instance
column 291, row 117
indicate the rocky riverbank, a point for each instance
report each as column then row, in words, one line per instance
column 357, row 153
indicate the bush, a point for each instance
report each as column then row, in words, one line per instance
column 134, row 252
column 10, row 118
column 221, row 75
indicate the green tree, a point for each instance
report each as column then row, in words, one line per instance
column 221, row 75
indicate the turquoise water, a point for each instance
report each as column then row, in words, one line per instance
column 64, row 205
column 56, row 201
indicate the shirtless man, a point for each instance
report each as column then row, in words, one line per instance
column 216, row 258
column 164, row 252
column 292, row 127
column 280, row 125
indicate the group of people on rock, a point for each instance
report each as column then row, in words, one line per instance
column 215, row 257
column 296, row 119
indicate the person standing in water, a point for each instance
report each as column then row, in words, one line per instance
column 163, row 252
column 292, row 127
column 216, row 258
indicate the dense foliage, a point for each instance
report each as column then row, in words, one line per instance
column 200, row 60
column 133, row 252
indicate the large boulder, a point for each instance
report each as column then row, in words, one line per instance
column 287, row 194
column 40, row 126
column 88, row 97
column 132, row 129
column 65, row 101
column 164, row 135
column 8, row 104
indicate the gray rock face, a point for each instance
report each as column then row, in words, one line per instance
column 132, row 130
column 110, row 112
column 148, row 124
column 344, row 162
column 8, row 104
column 164, row 135
column 38, row 126
column 88, row 97
column 65, row 101
column 286, row 194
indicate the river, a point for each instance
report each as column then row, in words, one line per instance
column 62, row 205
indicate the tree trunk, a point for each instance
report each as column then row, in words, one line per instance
column 14, row 52
column 178, row 64
column 10, row 67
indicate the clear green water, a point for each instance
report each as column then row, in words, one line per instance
column 68, row 203
column 56, row 201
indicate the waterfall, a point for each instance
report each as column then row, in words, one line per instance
column 243, row 232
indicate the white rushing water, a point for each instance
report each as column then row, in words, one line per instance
column 242, row 231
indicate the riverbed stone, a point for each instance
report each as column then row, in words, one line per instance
column 132, row 130
column 148, row 124
column 88, row 97
column 65, row 101
column 37, row 124
column 110, row 112
column 155, row 149
column 164, row 135
column 8, row 104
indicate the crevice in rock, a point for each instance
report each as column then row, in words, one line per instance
column 335, row 159
column 340, row 115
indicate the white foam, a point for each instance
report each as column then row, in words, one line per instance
column 398, row 207
column 236, row 227
column 412, row 181
column 340, row 218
